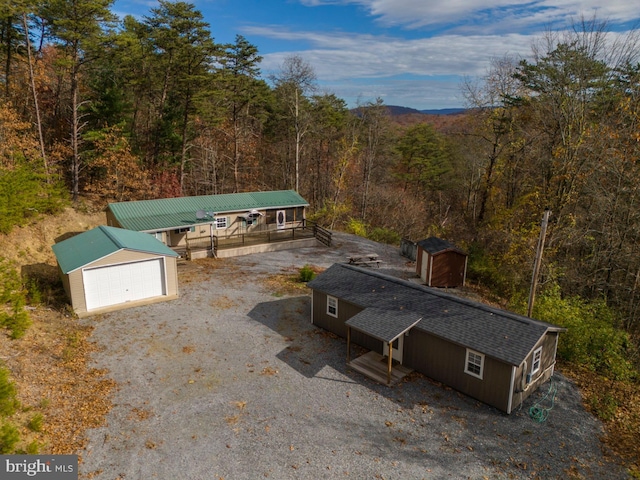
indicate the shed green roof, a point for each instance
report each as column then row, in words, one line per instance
column 168, row 213
column 87, row 247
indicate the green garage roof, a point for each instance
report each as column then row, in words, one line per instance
column 87, row 247
column 167, row 213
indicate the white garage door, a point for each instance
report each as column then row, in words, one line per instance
column 127, row 282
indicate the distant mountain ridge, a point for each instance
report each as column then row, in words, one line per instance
column 398, row 110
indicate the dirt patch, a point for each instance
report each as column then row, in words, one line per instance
column 49, row 364
column 31, row 244
column 49, row 367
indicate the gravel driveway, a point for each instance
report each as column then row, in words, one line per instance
column 232, row 381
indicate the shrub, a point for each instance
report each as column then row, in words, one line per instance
column 488, row 271
column 9, row 437
column 35, row 424
column 8, row 400
column 18, row 322
column 604, row 406
column 592, row 338
column 33, row 448
column 34, row 291
column 356, row 227
column 306, row 274
column 384, row 235
column 13, row 294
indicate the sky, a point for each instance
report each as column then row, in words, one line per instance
column 412, row 53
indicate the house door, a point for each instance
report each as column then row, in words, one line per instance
column 396, row 353
column 281, row 219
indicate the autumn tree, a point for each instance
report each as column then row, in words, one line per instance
column 24, row 191
column 115, row 173
column 237, row 104
column 495, row 140
column 330, row 125
column 293, row 83
column 78, row 28
column 375, row 132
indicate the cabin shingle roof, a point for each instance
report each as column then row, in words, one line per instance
column 435, row 245
column 500, row 334
column 385, row 325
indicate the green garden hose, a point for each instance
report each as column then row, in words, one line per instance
column 538, row 411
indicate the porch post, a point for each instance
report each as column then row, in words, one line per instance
column 389, row 363
column 348, row 344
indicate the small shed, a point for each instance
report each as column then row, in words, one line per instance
column 440, row 263
column 109, row 268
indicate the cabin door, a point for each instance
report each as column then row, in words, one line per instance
column 396, row 353
column 281, row 219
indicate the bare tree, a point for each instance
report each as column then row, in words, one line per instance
column 293, row 82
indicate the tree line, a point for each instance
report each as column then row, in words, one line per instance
column 155, row 107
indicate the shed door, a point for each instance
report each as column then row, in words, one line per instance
column 126, row 282
column 423, row 266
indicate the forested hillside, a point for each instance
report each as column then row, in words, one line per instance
column 143, row 108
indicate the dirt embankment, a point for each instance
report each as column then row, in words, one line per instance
column 49, row 364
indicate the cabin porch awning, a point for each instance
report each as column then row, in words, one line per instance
column 385, row 325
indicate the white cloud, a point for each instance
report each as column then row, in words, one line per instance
column 341, row 56
column 461, row 37
column 501, row 15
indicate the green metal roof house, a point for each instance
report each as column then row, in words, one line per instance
column 108, row 268
column 219, row 225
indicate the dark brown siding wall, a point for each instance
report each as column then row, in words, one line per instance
column 448, row 270
column 336, row 325
column 445, row 362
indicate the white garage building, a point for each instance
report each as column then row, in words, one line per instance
column 110, row 268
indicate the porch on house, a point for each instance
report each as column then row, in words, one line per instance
column 389, row 326
column 217, row 246
column 375, row 366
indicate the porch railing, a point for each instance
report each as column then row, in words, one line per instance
column 215, row 243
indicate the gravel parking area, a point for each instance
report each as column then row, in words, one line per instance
column 232, row 381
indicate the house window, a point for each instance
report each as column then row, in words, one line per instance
column 537, row 360
column 221, row 222
column 332, row 306
column 474, row 364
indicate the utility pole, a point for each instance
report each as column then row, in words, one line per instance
column 538, row 260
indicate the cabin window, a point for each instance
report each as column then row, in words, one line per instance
column 332, row 306
column 475, row 364
column 221, row 222
column 537, row 360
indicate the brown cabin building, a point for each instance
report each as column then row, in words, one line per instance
column 440, row 263
column 493, row 355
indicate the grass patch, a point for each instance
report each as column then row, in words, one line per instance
column 9, row 438
column 35, row 423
